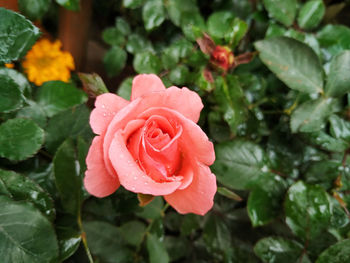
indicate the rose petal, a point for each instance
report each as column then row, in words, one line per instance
column 170, row 98
column 186, row 172
column 98, row 181
column 130, row 174
column 198, row 197
column 167, row 157
column 120, row 121
column 144, row 84
column 194, row 141
column 106, row 106
column 185, row 101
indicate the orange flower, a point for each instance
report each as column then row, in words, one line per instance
column 9, row 65
column 45, row 62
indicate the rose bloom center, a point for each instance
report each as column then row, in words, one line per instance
column 155, row 147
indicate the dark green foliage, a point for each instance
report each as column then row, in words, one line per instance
column 280, row 125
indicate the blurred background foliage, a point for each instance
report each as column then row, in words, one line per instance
column 280, row 123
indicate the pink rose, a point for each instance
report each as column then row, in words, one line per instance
column 152, row 145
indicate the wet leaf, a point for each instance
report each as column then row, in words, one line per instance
column 293, row 62
column 20, row 139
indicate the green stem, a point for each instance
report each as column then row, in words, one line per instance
column 162, row 213
column 83, row 237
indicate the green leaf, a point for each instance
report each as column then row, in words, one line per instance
column 43, row 175
column 216, row 234
column 124, row 89
column 123, row 26
column 338, row 253
column 238, row 31
column 82, row 151
column 153, row 14
column 229, row 194
column 147, row 62
column 265, row 201
column 57, row 96
column 157, row 228
column 311, row 115
column 311, row 14
column 283, row 11
column 114, row 60
column 22, row 188
column 156, row 250
column 323, row 173
column 25, row 234
column 177, row 9
column 73, row 5
column 34, row 9
column 33, row 111
column 238, row 163
column 105, row 242
column 275, row 30
column 132, row 3
column 231, row 100
column 137, row 44
column 153, row 210
column 18, row 78
column 308, row 210
column 133, row 232
column 20, row 139
column 179, row 75
column 220, row 23
column 177, row 247
column 218, row 129
column 327, row 142
column 179, row 49
column 68, row 235
column 71, row 123
column 67, row 177
column 192, row 25
column 113, row 36
column 338, row 82
column 295, row 63
column 169, row 58
column 339, row 128
column 335, row 38
column 17, row 35
column 10, row 94
column 93, row 84
column 278, row 249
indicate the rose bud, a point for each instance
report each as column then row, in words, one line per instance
column 222, row 57
column 152, row 145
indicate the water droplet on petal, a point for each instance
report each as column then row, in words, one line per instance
column 104, row 114
column 133, row 188
column 146, row 183
column 103, row 106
